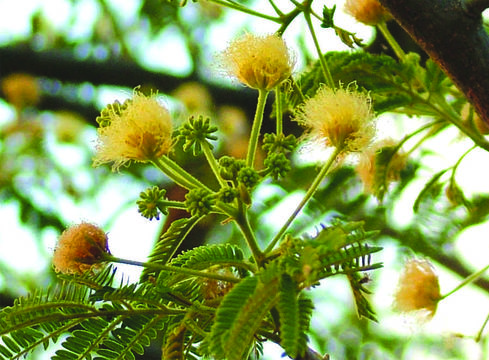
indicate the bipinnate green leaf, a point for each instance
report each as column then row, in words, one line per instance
column 364, row 309
column 288, row 309
column 169, row 242
column 430, row 190
column 392, row 84
column 383, row 159
column 241, row 313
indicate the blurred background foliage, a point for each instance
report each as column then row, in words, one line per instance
column 62, row 61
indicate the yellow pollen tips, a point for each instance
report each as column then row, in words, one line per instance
column 260, row 62
column 140, row 132
column 340, row 118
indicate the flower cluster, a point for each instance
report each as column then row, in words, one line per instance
column 79, row 248
column 260, row 62
column 139, row 131
column 150, row 203
column 340, row 118
column 368, row 12
column 195, row 132
column 418, row 288
column 368, row 166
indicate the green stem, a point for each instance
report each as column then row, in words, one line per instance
column 278, row 108
column 415, row 132
column 445, row 111
column 324, row 66
column 382, row 26
column 466, row 281
column 479, row 334
column 176, row 269
column 459, row 161
column 176, row 173
column 245, row 227
column 255, row 129
column 239, row 7
column 172, row 204
column 310, row 192
column 211, row 159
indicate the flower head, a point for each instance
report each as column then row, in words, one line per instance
column 21, row 90
column 340, row 118
column 140, row 130
column 368, row 166
column 260, row 62
column 369, row 12
column 418, row 288
column 79, row 248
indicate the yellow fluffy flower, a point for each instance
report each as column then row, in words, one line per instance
column 260, row 62
column 140, row 131
column 418, row 288
column 79, row 248
column 340, row 118
column 369, row 12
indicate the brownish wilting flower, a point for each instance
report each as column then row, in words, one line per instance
column 418, row 288
column 369, row 12
column 367, row 167
column 79, row 248
column 21, row 90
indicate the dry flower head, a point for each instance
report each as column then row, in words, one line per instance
column 418, row 288
column 369, row 12
column 366, row 167
column 260, row 62
column 341, row 118
column 140, row 132
column 21, row 90
column 79, row 248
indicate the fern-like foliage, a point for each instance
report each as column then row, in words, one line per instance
column 364, row 309
column 241, row 314
column 112, row 323
column 174, row 347
column 393, row 84
column 212, row 258
column 288, row 309
column 169, row 242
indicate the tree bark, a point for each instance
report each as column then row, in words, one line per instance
column 452, row 33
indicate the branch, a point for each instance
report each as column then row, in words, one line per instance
column 452, row 33
column 64, row 66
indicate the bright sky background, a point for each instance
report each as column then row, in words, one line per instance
column 131, row 235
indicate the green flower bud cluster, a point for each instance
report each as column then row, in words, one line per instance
column 248, row 177
column 279, row 143
column 227, row 194
column 195, row 132
column 151, row 203
column 199, row 202
column 230, row 167
column 107, row 113
column 277, row 146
